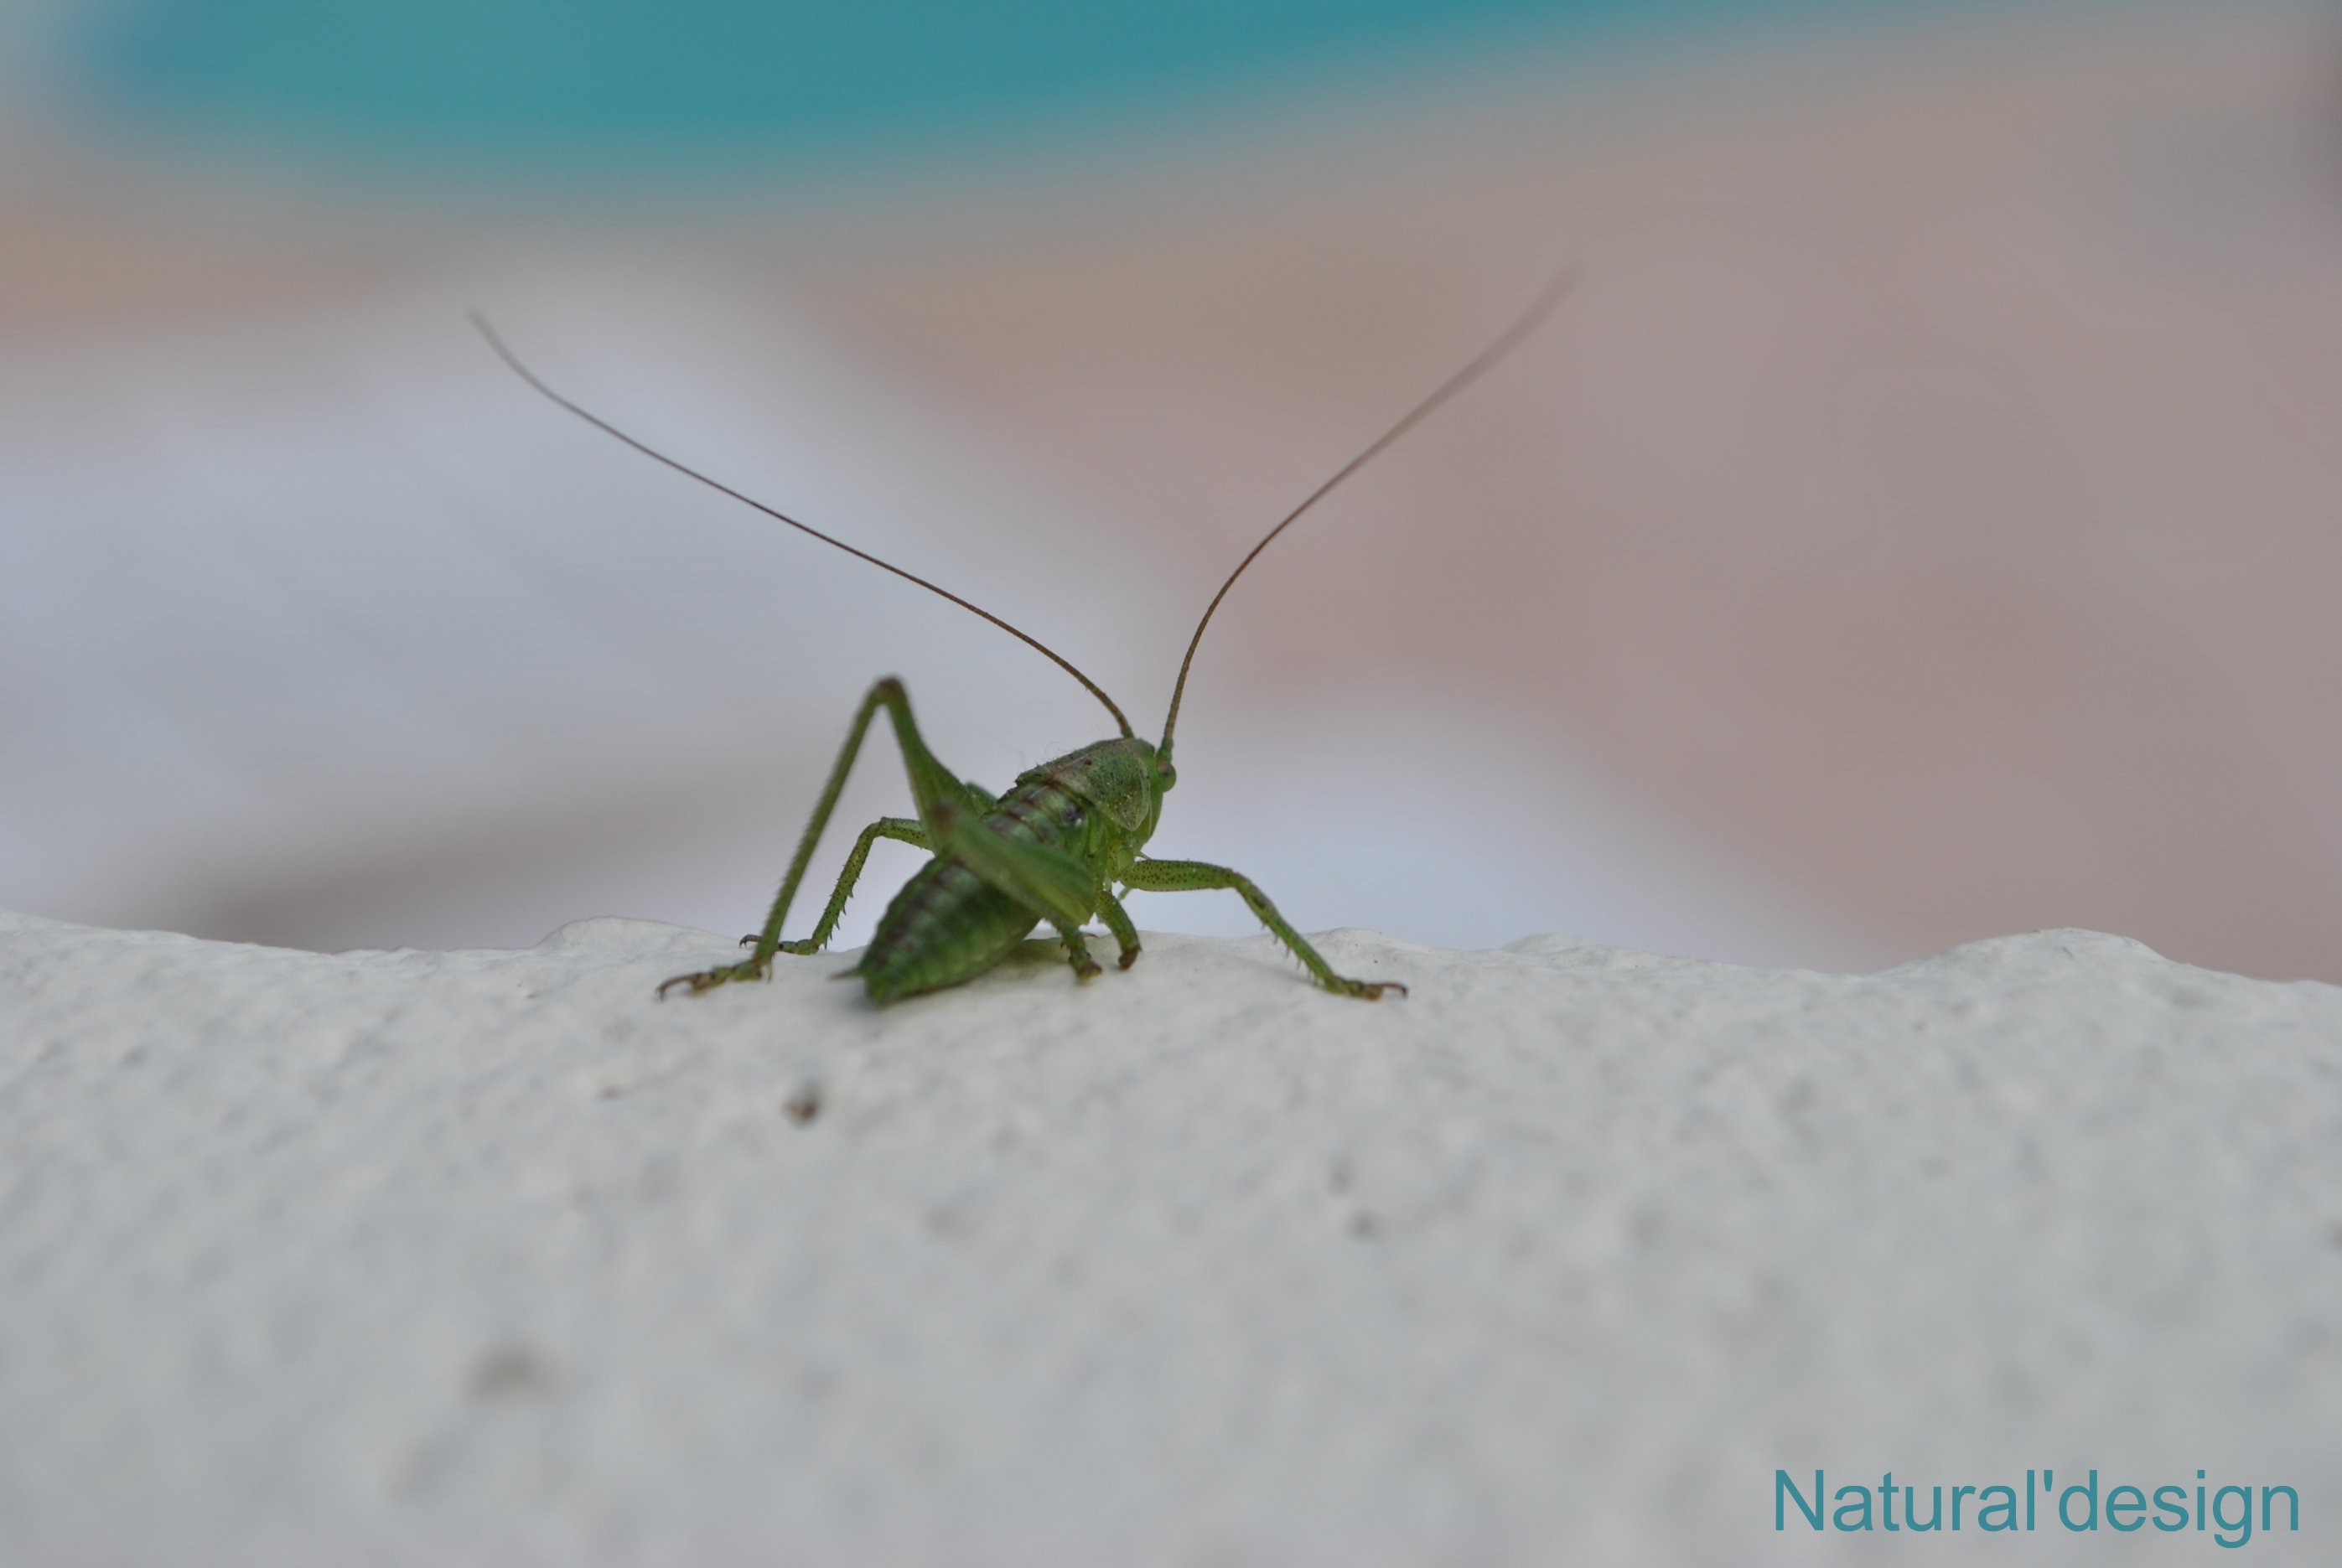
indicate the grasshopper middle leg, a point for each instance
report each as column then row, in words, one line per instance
column 1077, row 953
column 1117, row 920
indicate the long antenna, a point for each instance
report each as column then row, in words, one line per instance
column 608, row 428
column 1530, row 320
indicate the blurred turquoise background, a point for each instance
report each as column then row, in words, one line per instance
column 736, row 79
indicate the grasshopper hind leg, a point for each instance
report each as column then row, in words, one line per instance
column 933, row 789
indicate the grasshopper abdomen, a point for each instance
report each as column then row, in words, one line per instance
column 948, row 923
column 1094, row 807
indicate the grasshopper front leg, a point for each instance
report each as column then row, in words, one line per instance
column 1195, row 877
column 937, row 794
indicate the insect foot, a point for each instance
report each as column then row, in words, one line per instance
column 708, row 979
column 1372, row 990
column 1077, row 953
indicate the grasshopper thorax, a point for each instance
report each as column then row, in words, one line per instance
column 1124, row 779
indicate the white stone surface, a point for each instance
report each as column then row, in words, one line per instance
column 487, row 1257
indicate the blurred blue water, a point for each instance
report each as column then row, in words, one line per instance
column 578, row 80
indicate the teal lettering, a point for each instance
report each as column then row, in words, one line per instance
column 2226, row 1511
column 2067, row 1496
column 2242, row 1524
column 1782, row 1483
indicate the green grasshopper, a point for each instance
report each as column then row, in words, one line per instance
column 1057, row 846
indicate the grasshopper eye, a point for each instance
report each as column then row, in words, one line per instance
column 1165, row 775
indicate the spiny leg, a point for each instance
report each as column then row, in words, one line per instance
column 1195, row 877
column 902, row 830
column 933, row 790
column 1117, row 920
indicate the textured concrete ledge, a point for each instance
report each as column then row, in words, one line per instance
column 487, row 1257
